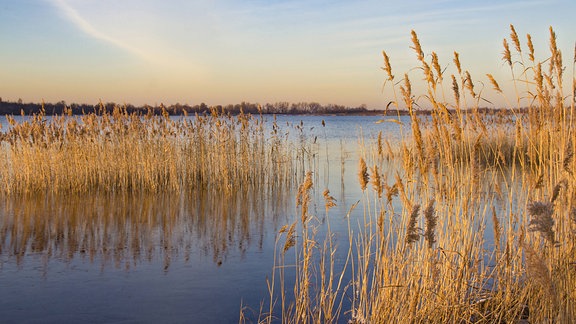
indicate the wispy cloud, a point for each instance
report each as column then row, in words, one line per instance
column 90, row 30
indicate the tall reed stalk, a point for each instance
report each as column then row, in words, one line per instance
column 487, row 228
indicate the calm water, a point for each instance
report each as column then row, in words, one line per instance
column 194, row 258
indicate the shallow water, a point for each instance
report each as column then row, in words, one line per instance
column 193, row 258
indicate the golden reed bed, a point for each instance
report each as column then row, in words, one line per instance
column 123, row 152
column 471, row 219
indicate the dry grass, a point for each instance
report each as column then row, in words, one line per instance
column 128, row 153
column 462, row 164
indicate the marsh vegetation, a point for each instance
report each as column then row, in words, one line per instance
column 122, row 152
column 465, row 217
column 471, row 218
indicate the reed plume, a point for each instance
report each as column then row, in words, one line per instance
column 376, row 181
column 506, row 56
column 436, row 66
column 455, row 90
column 431, row 222
column 290, row 238
column 469, row 84
column 412, row 229
column 495, row 84
column 363, row 176
column 387, row 67
column 530, row 47
column 515, row 39
column 329, row 201
column 541, row 219
column 416, row 46
column 457, row 62
column 303, row 197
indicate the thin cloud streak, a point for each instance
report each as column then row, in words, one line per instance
column 87, row 28
column 163, row 60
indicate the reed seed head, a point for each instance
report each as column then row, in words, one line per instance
column 429, row 75
column 431, row 222
column 363, row 174
column 530, row 47
column 514, row 38
column 417, row 48
column 436, row 66
column 303, row 196
column 376, row 181
column 538, row 77
column 496, row 227
column 290, row 238
column 391, row 192
column 494, row 83
column 412, row 234
column 541, row 219
column 380, row 145
column 406, row 90
column 457, row 62
column 455, row 89
column 506, row 56
column 329, row 201
column 469, row 84
column 387, row 67
column 556, row 191
column 553, row 46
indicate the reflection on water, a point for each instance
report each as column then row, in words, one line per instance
column 125, row 229
column 213, row 252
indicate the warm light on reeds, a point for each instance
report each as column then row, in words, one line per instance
column 462, row 164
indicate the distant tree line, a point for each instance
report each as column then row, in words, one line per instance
column 300, row 108
column 18, row 107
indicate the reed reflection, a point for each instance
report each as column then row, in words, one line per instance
column 125, row 229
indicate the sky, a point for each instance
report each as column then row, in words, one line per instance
column 229, row 51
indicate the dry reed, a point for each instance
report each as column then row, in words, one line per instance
column 466, row 163
column 123, row 152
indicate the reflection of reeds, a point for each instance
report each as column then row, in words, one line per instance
column 123, row 230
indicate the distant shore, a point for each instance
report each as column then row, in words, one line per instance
column 279, row 108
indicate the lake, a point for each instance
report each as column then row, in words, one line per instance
column 195, row 257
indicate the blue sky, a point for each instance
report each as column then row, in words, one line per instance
column 220, row 52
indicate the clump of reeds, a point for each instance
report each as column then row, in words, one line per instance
column 471, row 161
column 122, row 152
column 317, row 284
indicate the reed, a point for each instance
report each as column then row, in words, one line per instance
column 462, row 164
column 123, row 152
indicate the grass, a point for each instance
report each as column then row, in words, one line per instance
column 122, row 152
column 461, row 177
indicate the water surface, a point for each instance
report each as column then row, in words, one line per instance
column 196, row 257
